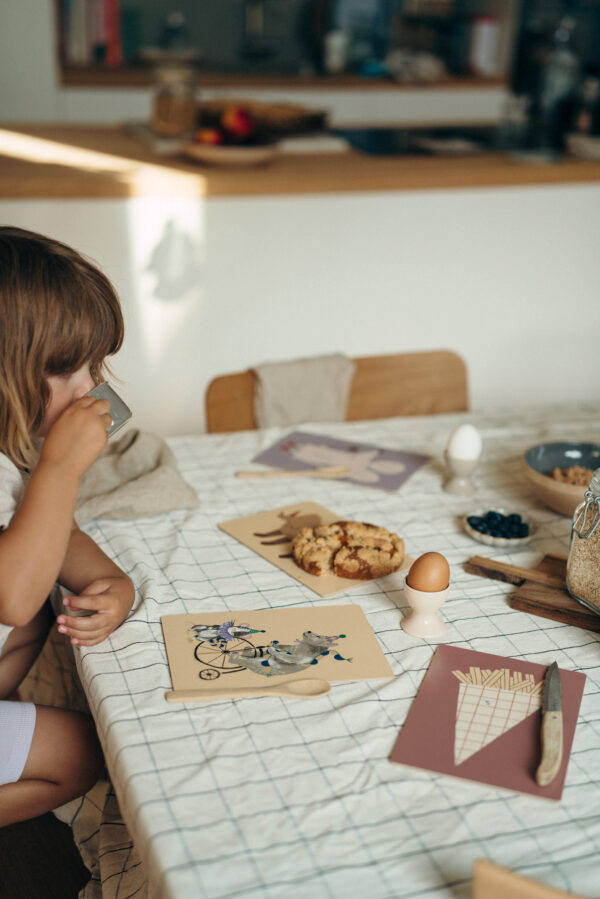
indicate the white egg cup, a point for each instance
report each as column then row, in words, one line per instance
column 424, row 621
column 459, row 483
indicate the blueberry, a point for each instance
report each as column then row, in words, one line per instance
column 497, row 524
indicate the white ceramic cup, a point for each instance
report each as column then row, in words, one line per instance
column 424, row 620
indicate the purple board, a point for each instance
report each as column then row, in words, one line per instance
column 369, row 465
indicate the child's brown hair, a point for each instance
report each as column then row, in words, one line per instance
column 57, row 313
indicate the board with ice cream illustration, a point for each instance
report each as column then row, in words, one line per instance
column 369, row 465
column 477, row 716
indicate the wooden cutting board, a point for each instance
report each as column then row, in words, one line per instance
column 540, row 591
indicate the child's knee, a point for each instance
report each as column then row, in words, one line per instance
column 85, row 758
column 65, row 749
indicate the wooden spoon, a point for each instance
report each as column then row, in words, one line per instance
column 305, row 688
column 329, row 471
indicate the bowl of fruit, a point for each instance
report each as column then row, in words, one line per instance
column 234, row 138
column 497, row 527
column 560, row 472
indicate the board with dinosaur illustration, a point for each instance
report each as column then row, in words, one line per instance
column 260, row 647
column 367, row 464
column 270, row 534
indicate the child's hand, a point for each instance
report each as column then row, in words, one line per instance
column 110, row 598
column 78, row 435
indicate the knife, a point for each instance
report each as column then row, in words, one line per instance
column 552, row 729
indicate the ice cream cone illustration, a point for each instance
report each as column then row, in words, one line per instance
column 489, row 704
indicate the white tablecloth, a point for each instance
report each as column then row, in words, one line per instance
column 267, row 797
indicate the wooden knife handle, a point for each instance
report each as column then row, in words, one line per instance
column 552, row 743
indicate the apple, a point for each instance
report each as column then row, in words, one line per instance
column 237, row 121
column 208, row 136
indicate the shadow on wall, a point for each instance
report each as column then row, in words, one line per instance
column 166, row 306
column 175, row 263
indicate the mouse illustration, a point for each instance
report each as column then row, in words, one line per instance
column 287, row 658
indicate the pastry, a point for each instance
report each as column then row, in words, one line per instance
column 352, row 549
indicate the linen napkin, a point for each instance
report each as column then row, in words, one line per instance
column 135, row 477
column 314, row 389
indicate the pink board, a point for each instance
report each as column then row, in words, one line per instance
column 487, row 732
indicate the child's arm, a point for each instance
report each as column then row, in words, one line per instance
column 100, row 586
column 34, row 544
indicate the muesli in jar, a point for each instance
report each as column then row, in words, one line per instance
column 583, row 564
column 174, row 108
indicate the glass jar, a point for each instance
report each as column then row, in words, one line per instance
column 174, row 110
column 583, row 564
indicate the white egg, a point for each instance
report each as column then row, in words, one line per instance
column 464, row 443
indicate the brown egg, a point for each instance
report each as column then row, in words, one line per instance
column 430, row 572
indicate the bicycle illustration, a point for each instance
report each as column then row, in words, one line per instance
column 216, row 643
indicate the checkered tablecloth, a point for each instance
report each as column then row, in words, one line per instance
column 264, row 798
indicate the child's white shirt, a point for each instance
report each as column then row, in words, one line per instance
column 12, row 488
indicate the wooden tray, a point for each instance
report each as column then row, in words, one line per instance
column 541, row 590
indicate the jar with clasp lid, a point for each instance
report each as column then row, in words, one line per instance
column 174, row 109
column 583, row 563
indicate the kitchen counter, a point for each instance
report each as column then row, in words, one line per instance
column 77, row 161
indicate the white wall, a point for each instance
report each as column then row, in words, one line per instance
column 508, row 277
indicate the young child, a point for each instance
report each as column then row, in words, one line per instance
column 59, row 319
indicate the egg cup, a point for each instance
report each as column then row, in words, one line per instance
column 459, row 481
column 424, row 620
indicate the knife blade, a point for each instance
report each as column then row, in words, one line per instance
column 552, row 728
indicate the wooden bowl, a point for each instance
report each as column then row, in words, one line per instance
column 539, row 462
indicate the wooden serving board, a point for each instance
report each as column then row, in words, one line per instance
column 540, row 591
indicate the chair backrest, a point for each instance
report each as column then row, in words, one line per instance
column 382, row 387
column 491, row 881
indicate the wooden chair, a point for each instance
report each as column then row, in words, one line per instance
column 491, row 881
column 382, row 387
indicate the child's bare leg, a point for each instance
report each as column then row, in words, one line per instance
column 65, row 761
column 21, row 649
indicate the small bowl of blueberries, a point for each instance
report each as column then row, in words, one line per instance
column 496, row 527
